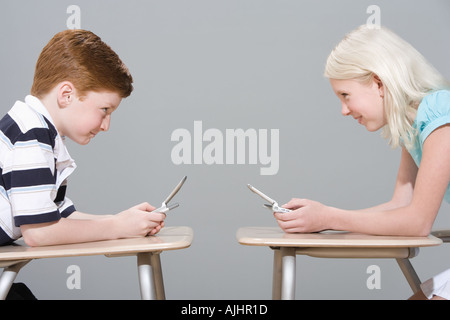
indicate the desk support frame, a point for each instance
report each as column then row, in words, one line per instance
column 8, row 276
column 147, row 251
column 409, row 273
column 284, row 271
column 150, row 276
column 332, row 244
column 149, row 272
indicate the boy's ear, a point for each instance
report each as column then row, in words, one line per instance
column 66, row 94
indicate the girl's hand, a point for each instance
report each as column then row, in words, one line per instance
column 139, row 221
column 307, row 216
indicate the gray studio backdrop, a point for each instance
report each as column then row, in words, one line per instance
column 224, row 65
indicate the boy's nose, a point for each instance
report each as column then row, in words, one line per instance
column 105, row 123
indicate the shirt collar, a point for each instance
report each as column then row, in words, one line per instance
column 37, row 105
column 62, row 155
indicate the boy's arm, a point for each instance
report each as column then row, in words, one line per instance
column 66, row 231
column 137, row 221
column 87, row 216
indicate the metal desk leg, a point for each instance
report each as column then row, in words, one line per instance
column 276, row 280
column 145, row 272
column 8, row 276
column 150, row 276
column 409, row 273
column 288, row 273
column 158, row 276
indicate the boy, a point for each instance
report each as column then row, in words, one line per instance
column 79, row 81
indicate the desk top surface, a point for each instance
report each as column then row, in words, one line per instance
column 169, row 238
column 274, row 236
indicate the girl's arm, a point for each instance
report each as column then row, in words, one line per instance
column 404, row 185
column 411, row 218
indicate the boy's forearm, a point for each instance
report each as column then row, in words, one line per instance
column 87, row 216
column 66, row 231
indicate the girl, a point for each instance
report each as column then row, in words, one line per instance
column 384, row 83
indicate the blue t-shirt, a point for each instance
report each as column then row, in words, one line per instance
column 432, row 113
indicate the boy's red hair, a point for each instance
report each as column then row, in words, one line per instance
column 81, row 57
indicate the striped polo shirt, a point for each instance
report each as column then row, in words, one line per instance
column 34, row 166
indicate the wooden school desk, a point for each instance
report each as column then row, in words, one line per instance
column 147, row 250
column 330, row 245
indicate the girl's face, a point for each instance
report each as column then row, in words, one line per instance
column 364, row 102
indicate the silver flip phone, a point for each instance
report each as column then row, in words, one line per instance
column 273, row 204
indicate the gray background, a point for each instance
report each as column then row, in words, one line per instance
column 231, row 64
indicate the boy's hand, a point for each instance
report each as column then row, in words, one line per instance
column 138, row 221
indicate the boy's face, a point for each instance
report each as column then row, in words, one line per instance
column 83, row 119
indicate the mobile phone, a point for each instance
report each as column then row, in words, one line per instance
column 273, row 204
column 165, row 207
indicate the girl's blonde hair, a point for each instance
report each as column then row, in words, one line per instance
column 406, row 75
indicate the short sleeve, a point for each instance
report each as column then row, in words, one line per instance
column 433, row 112
column 30, row 178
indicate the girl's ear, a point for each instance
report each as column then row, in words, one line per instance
column 66, row 94
column 380, row 85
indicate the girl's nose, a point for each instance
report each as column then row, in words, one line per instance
column 345, row 110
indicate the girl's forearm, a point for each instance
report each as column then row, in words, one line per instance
column 381, row 207
column 400, row 221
